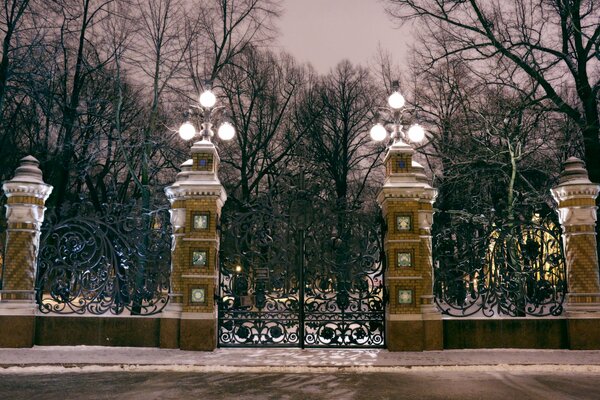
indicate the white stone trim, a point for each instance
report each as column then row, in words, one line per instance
column 195, row 315
column 18, row 307
column 172, row 310
column 25, row 213
column 404, row 241
column 575, row 191
column 573, row 216
column 192, row 239
column 402, row 278
column 403, row 317
column 177, row 218
column 198, row 276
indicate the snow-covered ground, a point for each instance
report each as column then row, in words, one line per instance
column 98, row 358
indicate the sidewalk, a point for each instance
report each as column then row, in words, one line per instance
column 42, row 358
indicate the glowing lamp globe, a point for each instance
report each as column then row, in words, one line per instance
column 187, row 131
column 208, row 99
column 378, row 132
column 226, row 131
column 416, row 133
column 396, row 100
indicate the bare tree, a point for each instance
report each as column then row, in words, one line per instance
column 262, row 90
column 490, row 146
column 339, row 114
column 555, row 43
column 10, row 20
column 222, row 29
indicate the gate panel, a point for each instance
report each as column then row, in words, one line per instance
column 259, row 299
column 343, row 279
column 300, row 275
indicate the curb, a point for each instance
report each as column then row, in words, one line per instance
column 357, row 369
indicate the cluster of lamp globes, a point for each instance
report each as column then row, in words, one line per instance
column 207, row 100
column 416, row 133
column 226, row 131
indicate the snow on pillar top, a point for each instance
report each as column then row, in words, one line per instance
column 574, row 172
column 199, row 175
column 574, row 183
column 28, row 180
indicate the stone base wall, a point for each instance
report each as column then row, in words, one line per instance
column 507, row 333
column 200, row 334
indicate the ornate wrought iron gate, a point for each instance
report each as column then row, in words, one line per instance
column 299, row 275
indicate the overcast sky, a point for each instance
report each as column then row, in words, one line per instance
column 324, row 32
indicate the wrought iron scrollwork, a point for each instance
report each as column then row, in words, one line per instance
column 344, row 281
column 296, row 273
column 485, row 268
column 105, row 261
column 258, row 285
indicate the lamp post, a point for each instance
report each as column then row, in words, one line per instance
column 197, row 197
column 206, row 111
column 406, row 200
column 394, row 117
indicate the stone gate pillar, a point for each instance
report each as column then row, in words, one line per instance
column 26, row 195
column 196, row 198
column 576, row 198
column 412, row 320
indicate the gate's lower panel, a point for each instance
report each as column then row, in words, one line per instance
column 255, row 328
column 344, row 330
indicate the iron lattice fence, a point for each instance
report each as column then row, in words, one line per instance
column 104, row 261
column 499, row 268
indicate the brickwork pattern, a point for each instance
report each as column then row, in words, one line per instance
column 576, row 198
column 417, row 278
column 184, row 275
column 582, row 262
column 399, row 163
column 578, row 202
column 22, row 240
column 25, row 200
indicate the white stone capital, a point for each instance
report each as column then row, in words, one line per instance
column 19, row 188
column 417, row 192
column 573, row 216
column 183, row 190
column 25, row 213
column 570, row 191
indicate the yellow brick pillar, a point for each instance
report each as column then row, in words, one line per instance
column 196, row 198
column 576, row 198
column 26, row 195
column 412, row 320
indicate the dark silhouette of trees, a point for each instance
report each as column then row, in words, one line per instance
column 554, row 45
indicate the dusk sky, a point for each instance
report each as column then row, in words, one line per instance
column 324, row 32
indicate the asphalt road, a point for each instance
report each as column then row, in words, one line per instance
column 296, row 386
